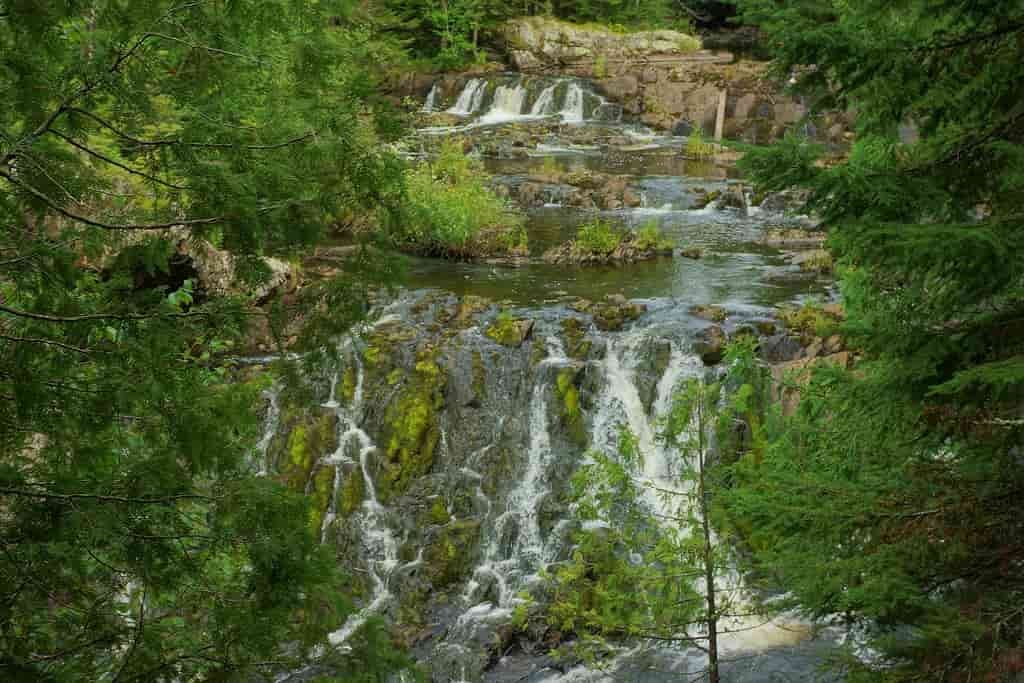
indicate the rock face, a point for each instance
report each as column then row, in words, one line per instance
column 542, row 41
column 665, row 79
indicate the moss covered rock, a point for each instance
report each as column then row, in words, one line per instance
column 509, row 331
column 410, row 427
column 450, row 556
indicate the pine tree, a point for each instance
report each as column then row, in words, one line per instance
column 137, row 542
column 651, row 562
column 893, row 497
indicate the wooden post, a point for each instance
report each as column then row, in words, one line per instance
column 720, row 116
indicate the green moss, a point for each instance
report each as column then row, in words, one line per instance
column 353, row 491
column 508, row 331
column 348, row 384
column 573, row 332
column 439, row 511
column 448, row 559
column 411, row 431
column 307, row 441
column 323, row 489
column 809, row 321
column 395, row 376
column 569, row 394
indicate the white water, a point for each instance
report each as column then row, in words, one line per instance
column 270, row 424
column 529, row 551
column 507, row 105
column 572, row 109
column 545, row 102
column 470, row 98
column 428, row 105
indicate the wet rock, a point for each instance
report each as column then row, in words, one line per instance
column 780, row 347
column 581, row 305
column 509, row 331
column 694, row 253
column 709, row 312
column 611, row 316
column 710, row 344
column 793, row 237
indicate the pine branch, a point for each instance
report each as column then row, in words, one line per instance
column 185, row 143
column 48, row 342
column 70, row 497
column 99, row 316
column 93, row 153
column 100, row 224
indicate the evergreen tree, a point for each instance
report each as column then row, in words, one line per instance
column 649, row 563
column 894, row 496
column 137, row 542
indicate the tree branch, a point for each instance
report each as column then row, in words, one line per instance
column 69, row 497
column 114, row 162
column 100, row 224
column 98, row 316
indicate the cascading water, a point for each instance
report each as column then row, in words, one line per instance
column 545, row 102
column 507, row 105
column 271, row 421
column 572, row 109
column 470, row 99
column 430, row 102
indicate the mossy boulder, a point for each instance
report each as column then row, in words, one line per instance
column 612, row 314
column 709, row 312
column 450, row 555
column 710, row 344
column 574, row 338
column 509, row 331
column 567, row 388
column 411, row 431
column 310, row 437
column 320, row 495
column 352, row 493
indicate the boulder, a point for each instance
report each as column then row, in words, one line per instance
column 710, row 344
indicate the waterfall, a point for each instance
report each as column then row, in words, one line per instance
column 507, row 105
column 428, row 105
column 470, row 98
column 545, row 101
column 270, row 425
column 529, row 552
column 572, row 109
column 380, row 548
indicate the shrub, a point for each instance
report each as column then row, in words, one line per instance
column 598, row 237
column 452, row 212
column 649, row 237
column 697, row 147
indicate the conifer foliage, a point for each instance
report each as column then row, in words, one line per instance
column 894, row 496
column 137, row 544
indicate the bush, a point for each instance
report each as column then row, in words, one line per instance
column 598, row 237
column 649, row 237
column 452, row 212
column 697, row 147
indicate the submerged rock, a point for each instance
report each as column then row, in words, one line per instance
column 613, row 314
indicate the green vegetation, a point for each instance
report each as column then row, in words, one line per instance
column 138, row 545
column 697, row 147
column 602, row 592
column 649, row 237
column 451, row 211
column 598, row 237
column 893, row 496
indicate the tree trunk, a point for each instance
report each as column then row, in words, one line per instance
column 711, row 614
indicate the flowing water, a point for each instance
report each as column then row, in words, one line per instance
column 449, row 560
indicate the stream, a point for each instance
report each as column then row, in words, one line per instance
column 494, row 431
